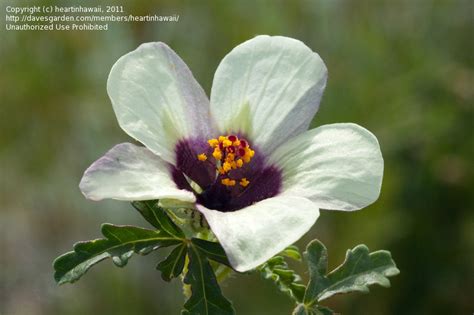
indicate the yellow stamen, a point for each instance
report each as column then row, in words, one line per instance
column 226, row 143
column 202, row 157
column 244, row 182
column 213, row 143
column 228, row 182
column 226, row 166
column 230, row 153
column 240, row 163
column 230, row 157
column 217, row 154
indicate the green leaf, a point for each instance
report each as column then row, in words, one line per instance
column 292, row 252
column 359, row 270
column 120, row 243
column 302, row 309
column 157, row 217
column 286, row 279
column 298, row 290
column 321, row 310
column 206, row 297
column 173, row 265
column 212, row 250
column 317, row 259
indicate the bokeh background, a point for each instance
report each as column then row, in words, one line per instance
column 402, row 69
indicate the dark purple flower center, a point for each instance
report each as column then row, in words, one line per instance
column 230, row 174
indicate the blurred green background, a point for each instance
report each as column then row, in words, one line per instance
column 402, row 69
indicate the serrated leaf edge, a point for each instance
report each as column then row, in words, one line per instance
column 75, row 251
column 365, row 287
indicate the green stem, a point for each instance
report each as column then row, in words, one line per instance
column 186, row 287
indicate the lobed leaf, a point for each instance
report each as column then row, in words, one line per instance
column 359, row 270
column 286, row 279
column 120, row 244
column 317, row 259
column 206, row 297
column 173, row 265
column 157, row 217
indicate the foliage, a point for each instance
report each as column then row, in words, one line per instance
column 359, row 270
column 206, row 298
column 121, row 242
column 190, row 258
column 286, row 279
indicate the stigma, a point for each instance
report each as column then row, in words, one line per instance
column 229, row 153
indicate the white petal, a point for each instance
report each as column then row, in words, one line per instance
column 253, row 235
column 130, row 172
column 269, row 88
column 157, row 100
column 337, row 166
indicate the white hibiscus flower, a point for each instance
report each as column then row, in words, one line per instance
column 243, row 159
